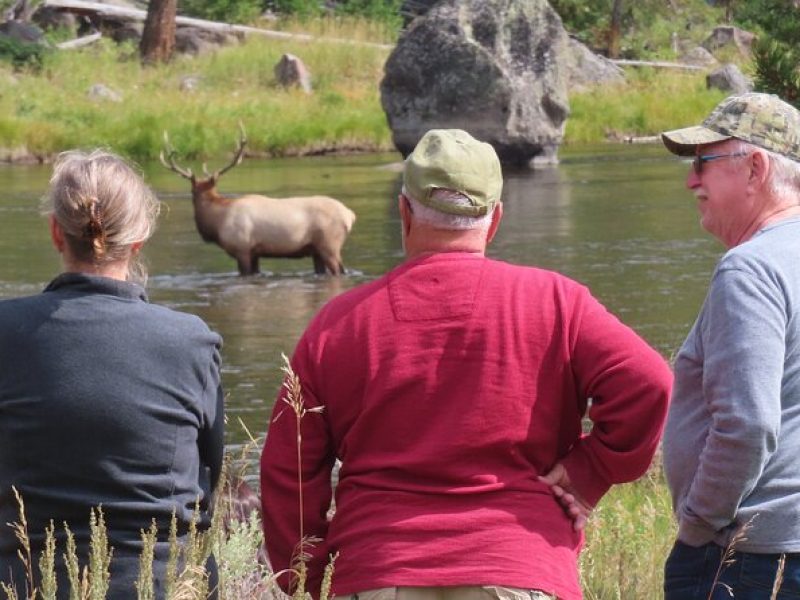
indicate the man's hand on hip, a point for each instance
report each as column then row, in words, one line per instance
column 575, row 507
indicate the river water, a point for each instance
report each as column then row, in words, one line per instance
column 617, row 218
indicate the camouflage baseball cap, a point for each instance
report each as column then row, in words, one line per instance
column 454, row 160
column 763, row 120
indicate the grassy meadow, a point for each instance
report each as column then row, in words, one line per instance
column 652, row 100
column 628, row 539
column 48, row 110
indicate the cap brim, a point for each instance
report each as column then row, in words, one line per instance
column 684, row 142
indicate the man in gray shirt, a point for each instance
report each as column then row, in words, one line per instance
column 732, row 442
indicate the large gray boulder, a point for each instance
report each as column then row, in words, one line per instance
column 727, row 36
column 729, row 78
column 491, row 67
column 291, row 71
column 585, row 69
column 699, row 57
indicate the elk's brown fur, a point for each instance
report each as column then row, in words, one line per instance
column 253, row 226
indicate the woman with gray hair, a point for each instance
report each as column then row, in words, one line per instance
column 106, row 400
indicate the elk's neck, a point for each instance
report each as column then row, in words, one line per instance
column 209, row 210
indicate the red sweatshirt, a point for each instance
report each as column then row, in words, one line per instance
column 448, row 386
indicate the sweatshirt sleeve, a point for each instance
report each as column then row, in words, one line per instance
column 629, row 386
column 743, row 337
column 211, row 439
column 280, row 481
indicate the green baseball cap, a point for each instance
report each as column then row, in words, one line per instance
column 454, row 160
column 763, row 120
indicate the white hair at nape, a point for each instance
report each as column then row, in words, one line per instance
column 784, row 179
column 440, row 220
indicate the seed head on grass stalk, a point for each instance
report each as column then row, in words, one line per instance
column 171, row 577
column 218, row 509
column 327, row 578
column 728, row 556
column 21, row 532
column 192, row 584
column 10, row 592
column 78, row 586
column 192, row 581
column 47, row 564
column 144, row 584
column 100, row 554
column 776, row 586
column 294, row 398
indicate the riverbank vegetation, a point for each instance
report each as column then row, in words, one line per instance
column 46, row 106
column 649, row 102
column 49, row 109
column 627, row 541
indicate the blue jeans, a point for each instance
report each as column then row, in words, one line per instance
column 690, row 573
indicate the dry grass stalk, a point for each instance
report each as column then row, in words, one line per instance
column 776, row 586
column 171, row 576
column 100, row 554
column 24, row 553
column 10, row 592
column 192, row 584
column 144, row 583
column 327, row 578
column 73, row 568
column 47, row 564
column 728, row 557
column 294, row 398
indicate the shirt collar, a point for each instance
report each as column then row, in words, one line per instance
column 95, row 284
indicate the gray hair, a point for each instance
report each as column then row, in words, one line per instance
column 103, row 206
column 784, row 180
column 440, row 220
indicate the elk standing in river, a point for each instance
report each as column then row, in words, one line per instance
column 254, row 226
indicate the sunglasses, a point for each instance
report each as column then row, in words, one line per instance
column 697, row 163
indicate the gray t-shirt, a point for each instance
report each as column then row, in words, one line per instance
column 732, row 441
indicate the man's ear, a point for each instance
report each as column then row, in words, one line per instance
column 405, row 213
column 760, row 166
column 56, row 234
column 497, row 216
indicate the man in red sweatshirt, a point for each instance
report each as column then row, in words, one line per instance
column 453, row 390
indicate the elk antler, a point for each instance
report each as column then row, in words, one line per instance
column 169, row 161
column 237, row 158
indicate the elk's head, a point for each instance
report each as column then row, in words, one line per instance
column 208, row 183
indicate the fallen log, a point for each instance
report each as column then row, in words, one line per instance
column 84, row 7
column 657, row 64
column 78, row 42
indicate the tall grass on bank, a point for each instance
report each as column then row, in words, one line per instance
column 627, row 541
column 50, row 110
column 650, row 102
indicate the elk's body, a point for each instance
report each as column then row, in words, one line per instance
column 253, row 226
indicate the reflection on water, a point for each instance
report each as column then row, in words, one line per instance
column 616, row 218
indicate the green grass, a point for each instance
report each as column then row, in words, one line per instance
column 49, row 111
column 628, row 539
column 650, row 102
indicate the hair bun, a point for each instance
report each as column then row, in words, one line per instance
column 94, row 228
